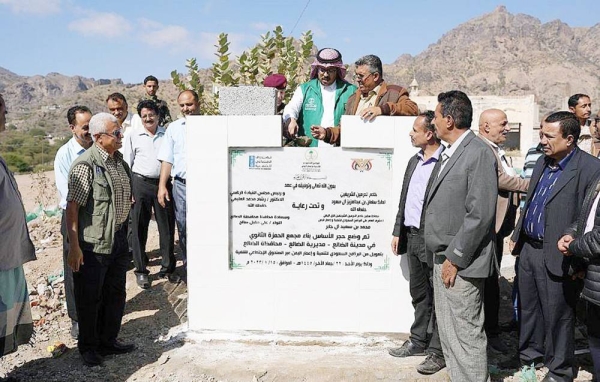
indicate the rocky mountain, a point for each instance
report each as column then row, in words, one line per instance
column 507, row 54
column 498, row 53
column 43, row 101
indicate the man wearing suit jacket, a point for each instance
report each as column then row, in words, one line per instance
column 547, row 292
column 408, row 239
column 459, row 230
column 493, row 129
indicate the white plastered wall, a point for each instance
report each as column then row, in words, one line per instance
column 283, row 300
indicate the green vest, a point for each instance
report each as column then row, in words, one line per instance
column 312, row 105
column 96, row 224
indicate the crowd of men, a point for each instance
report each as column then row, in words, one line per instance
column 459, row 201
column 117, row 171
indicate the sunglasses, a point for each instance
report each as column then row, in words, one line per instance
column 117, row 133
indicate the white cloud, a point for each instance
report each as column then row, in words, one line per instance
column 101, row 24
column 173, row 36
column 317, row 31
column 262, row 26
column 41, row 7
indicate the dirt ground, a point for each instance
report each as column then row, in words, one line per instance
column 166, row 351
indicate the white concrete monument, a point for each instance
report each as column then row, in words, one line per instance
column 295, row 238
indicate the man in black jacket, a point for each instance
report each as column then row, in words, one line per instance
column 559, row 183
column 408, row 239
column 583, row 241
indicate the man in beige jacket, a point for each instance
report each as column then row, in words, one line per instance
column 493, row 129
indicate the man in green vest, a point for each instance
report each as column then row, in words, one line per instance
column 98, row 204
column 319, row 102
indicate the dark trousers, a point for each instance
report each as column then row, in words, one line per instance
column 67, row 271
column 100, row 294
column 179, row 197
column 593, row 327
column 145, row 193
column 423, row 331
column 547, row 321
column 491, row 296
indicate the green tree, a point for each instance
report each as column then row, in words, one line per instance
column 274, row 53
column 17, row 163
column 36, row 132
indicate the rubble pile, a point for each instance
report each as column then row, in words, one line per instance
column 48, row 305
column 46, row 288
column 45, row 232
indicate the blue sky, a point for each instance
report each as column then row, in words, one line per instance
column 130, row 39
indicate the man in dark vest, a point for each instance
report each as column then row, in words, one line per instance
column 98, row 205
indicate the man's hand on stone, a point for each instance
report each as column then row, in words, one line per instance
column 292, row 128
column 317, row 132
column 370, row 113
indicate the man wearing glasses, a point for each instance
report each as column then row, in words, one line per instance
column 98, row 205
column 320, row 102
column 372, row 98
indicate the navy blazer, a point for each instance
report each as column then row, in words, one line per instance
column 562, row 208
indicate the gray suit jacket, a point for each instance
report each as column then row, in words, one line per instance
column 461, row 209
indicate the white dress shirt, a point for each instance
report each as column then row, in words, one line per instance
column 132, row 122
column 62, row 165
column 141, row 151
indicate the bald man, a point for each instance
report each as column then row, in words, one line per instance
column 493, row 129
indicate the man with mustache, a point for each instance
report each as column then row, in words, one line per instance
column 373, row 97
column 320, row 102
column 79, row 122
column 117, row 106
column 547, row 293
column 141, row 148
column 493, row 129
column 581, row 106
column 172, row 155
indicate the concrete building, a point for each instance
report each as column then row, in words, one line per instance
column 522, row 111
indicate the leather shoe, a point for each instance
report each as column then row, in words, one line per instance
column 116, row 348
column 92, row 358
column 407, row 349
column 432, row 364
column 496, row 344
column 538, row 363
column 172, row 277
column 142, row 280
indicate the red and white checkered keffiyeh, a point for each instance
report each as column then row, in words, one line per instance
column 327, row 58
